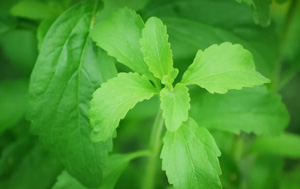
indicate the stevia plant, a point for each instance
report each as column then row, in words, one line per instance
column 189, row 153
column 103, row 72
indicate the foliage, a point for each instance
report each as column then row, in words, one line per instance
column 216, row 73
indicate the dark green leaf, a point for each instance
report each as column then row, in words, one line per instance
column 68, row 70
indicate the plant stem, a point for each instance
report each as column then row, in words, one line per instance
column 155, row 145
column 276, row 85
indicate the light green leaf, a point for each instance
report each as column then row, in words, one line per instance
column 67, row 72
column 190, row 157
column 156, row 48
column 175, row 105
column 286, row 145
column 251, row 110
column 119, row 35
column 114, row 99
column 223, row 67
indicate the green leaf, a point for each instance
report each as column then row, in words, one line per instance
column 260, row 10
column 266, row 171
column 156, row 48
column 34, row 9
column 13, row 103
column 189, row 157
column 175, row 105
column 115, row 166
column 67, row 72
column 37, row 163
column 114, row 99
column 119, row 35
column 223, row 67
column 194, row 25
column 251, row 110
column 286, row 145
column 66, row 181
column 13, row 153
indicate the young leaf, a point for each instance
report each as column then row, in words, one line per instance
column 175, row 105
column 251, row 110
column 190, row 157
column 114, row 99
column 67, row 72
column 119, row 35
column 286, row 145
column 156, row 48
column 223, row 67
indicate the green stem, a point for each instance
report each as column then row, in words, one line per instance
column 155, row 146
column 276, row 76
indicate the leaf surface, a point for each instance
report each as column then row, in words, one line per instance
column 156, row 48
column 114, row 99
column 286, row 145
column 67, row 72
column 223, row 67
column 119, row 35
column 251, row 110
column 190, row 157
column 175, row 105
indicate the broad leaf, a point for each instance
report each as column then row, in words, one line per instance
column 190, row 157
column 286, row 145
column 156, row 48
column 119, row 35
column 67, row 72
column 114, row 99
column 175, row 105
column 251, row 110
column 223, row 67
